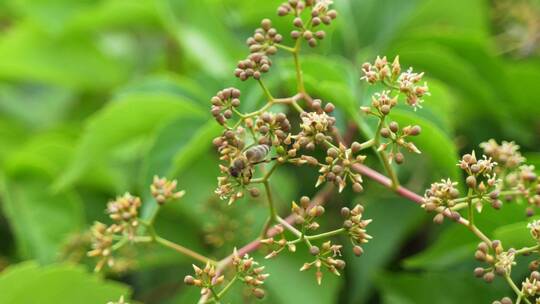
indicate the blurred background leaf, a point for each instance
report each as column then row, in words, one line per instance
column 97, row 96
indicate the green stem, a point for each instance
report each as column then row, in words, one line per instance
column 269, row 173
column 294, row 231
column 120, row 244
column 384, row 158
column 267, row 225
column 470, row 205
column 478, row 233
column 229, row 285
column 367, row 144
column 271, row 207
column 215, row 295
column 266, row 91
column 284, row 47
column 319, row 236
column 299, row 76
column 183, row 250
column 515, row 288
column 526, row 250
column 390, row 170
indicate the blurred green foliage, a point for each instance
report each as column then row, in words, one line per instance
column 97, row 96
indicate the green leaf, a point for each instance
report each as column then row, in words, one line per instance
column 49, row 104
column 461, row 16
column 73, row 61
column 173, row 145
column 515, row 235
column 40, row 220
column 364, row 24
column 114, row 15
column 200, row 142
column 393, row 220
column 12, row 135
column 56, row 284
column 198, row 29
column 438, row 150
column 456, row 244
column 287, row 284
column 167, row 83
column 121, row 121
column 440, row 288
column 44, row 154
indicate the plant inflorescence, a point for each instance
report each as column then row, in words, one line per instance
column 254, row 145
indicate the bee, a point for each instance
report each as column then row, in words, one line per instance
column 257, row 154
column 252, row 156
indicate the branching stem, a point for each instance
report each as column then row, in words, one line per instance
column 518, row 292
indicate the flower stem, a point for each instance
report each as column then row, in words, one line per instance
column 294, row 231
column 384, row 158
column 271, row 207
column 183, row 250
column 266, row 91
column 518, row 292
column 319, row 236
column 470, row 205
column 527, row 250
column 226, row 288
column 284, row 47
column 299, row 76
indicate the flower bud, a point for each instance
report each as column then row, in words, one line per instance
column 471, row 181
column 394, row 127
column 357, row 250
column 258, row 293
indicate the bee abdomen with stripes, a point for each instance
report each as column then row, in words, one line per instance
column 257, row 153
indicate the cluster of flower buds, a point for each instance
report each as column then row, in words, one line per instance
column 398, row 139
column 236, row 173
column 534, row 228
column 380, row 70
column 248, row 271
column 320, row 14
column 164, row 190
column 261, row 45
column 264, row 38
column 274, row 128
column 230, row 144
column 356, row 227
column 531, row 286
column 339, row 167
column 474, row 167
column 224, row 103
column 391, row 75
column 254, row 66
column 315, row 129
column 304, row 215
column 294, row 7
column 506, row 155
column 277, row 246
column 408, row 83
column 230, row 188
column 528, row 185
column 206, row 278
column 501, row 261
column 102, row 241
column 125, row 212
column 441, row 194
column 481, row 178
column 383, row 102
column 326, row 257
